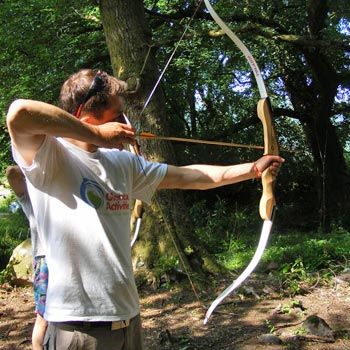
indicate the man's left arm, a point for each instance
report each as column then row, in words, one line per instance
column 204, row 177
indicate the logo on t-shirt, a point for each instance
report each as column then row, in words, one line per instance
column 92, row 193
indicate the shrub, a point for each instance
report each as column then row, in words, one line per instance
column 13, row 230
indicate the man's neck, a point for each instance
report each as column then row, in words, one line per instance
column 83, row 145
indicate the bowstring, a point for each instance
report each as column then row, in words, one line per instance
column 170, row 59
column 167, row 226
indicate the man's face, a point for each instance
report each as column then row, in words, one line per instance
column 111, row 114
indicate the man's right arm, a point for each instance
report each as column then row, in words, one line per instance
column 16, row 180
column 29, row 122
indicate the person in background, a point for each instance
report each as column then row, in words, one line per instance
column 81, row 186
column 17, row 182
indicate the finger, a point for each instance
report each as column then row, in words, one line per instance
column 122, row 128
column 128, row 127
column 125, row 134
column 129, row 132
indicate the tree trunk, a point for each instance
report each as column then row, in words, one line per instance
column 165, row 221
column 331, row 168
column 313, row 94
column 313, row 105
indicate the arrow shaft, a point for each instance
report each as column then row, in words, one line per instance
column 181, row 139
column 217, row 143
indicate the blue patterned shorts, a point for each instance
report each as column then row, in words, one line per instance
column 41, row 276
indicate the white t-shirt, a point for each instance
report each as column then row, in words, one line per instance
column 81, row 201
column 37, row 248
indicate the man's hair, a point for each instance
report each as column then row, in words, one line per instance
column 76, row 87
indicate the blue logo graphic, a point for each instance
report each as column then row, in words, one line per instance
column 92, row 193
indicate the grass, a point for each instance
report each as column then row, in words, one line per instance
column 301, row 258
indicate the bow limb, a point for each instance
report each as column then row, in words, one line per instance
column 136, row 216
column 267, row 202
column 248, row 270
column 241, row 46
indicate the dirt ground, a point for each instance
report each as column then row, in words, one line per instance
column 172, row 317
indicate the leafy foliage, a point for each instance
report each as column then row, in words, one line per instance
column 45, row 42
column 209, row 87
column 218, row 228
column 5, row 155
column 211, row 94
column 13, row 230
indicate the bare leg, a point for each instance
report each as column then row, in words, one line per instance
column 39, row 333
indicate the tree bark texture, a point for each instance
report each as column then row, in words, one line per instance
column 132, row 56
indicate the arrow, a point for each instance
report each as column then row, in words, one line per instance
column 148, row 135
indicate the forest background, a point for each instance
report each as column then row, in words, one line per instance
column 207, row 92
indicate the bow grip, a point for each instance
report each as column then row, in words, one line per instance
column 267, row 202
column 138, row 209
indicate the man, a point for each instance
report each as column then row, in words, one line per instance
column 17, row 182
column 80, row 187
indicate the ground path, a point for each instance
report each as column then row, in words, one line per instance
column 172, row 318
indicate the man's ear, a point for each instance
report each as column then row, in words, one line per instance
column 89, row 119
column 85, row 119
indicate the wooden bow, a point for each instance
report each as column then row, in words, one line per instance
column 267, row 202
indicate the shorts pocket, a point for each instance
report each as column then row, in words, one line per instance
column 46, row 344
column 74, row 343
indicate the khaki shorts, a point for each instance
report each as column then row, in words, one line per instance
column 121, row 335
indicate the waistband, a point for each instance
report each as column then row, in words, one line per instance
column 112, row 325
